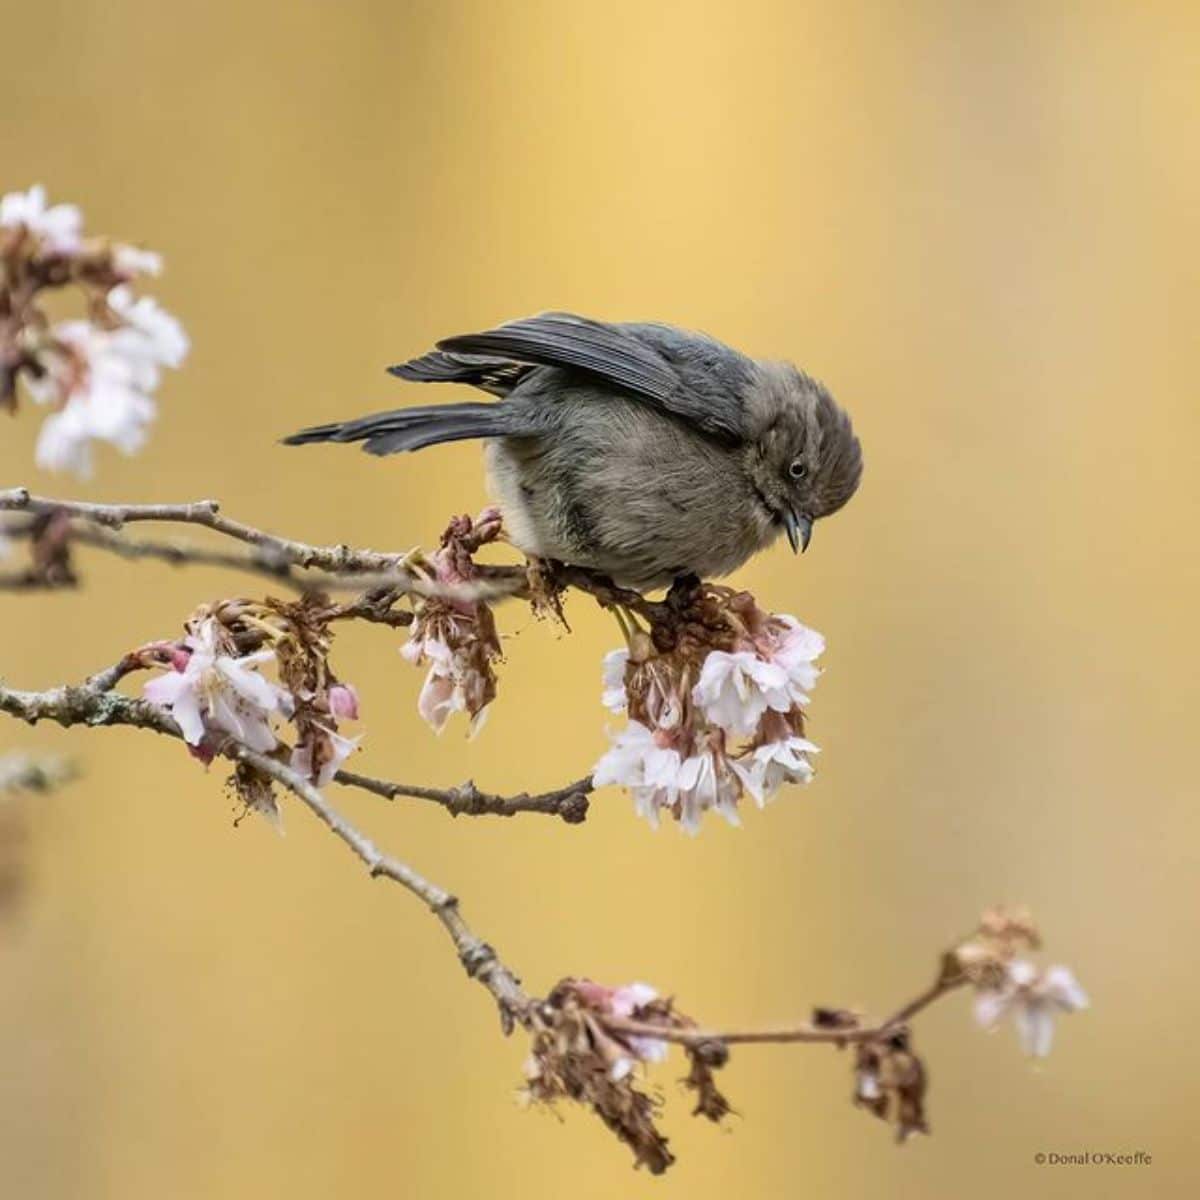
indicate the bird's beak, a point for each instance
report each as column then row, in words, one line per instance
column 799, row 530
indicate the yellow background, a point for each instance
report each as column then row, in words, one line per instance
column 978, row 224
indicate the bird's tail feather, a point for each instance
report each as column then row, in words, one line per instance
column 410, row 428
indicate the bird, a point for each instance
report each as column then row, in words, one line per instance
column 640, row 451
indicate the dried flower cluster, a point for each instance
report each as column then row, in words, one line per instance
column 715, row 693
column 580, row 1053
column 97, row 374
column 890, row 1083
column 455, row 633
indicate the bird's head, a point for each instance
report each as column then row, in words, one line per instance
column 801, row 453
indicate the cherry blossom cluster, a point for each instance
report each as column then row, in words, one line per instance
column 714, row 692
column 97, row 374
column 455, row 632
column 214, row 688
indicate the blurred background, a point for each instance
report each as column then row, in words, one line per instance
column 978, row 225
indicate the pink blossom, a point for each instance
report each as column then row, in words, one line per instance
column 215, row 693
column 625, row 1003
column 343, row 702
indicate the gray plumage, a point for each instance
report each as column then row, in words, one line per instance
column 639, row 450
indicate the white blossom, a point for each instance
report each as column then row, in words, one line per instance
column 59, row 228
column 149, row 332
column 649, row 771
column 705, row 781
column 102, row 380
column 624, row 1003
column 624, row 763
column 214, row 692
column 734, row 690
column 658, row 777
column 103, row 391
column 796, row 651
column 769, row 766
column 613, row 697
column 1033, row 998
column 65, row 442
column 132, row 260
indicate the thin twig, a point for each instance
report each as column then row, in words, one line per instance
column 569, row 802
column 336, row 559
column 836, row 1035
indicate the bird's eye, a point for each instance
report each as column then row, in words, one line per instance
column 797, row 469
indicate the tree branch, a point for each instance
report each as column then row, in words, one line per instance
column 274, row 556
column 91, row 704
column 335, row 559
column 278, row 558
column 569, row 802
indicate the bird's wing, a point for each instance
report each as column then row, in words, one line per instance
column 497, row 376
column 614, row 354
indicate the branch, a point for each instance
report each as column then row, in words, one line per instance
column 274, row 556
column 263, row 562
column 585, row 1044
column 569, row 802
column 838, row 1029
column 334, row 567
column 91, row 704
column 335, row 559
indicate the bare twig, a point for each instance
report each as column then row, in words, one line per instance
column 836, row 1034
column 178, row 553
column 336, row 559
column 570, row 802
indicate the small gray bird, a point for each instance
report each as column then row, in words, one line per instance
column 642, row 451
